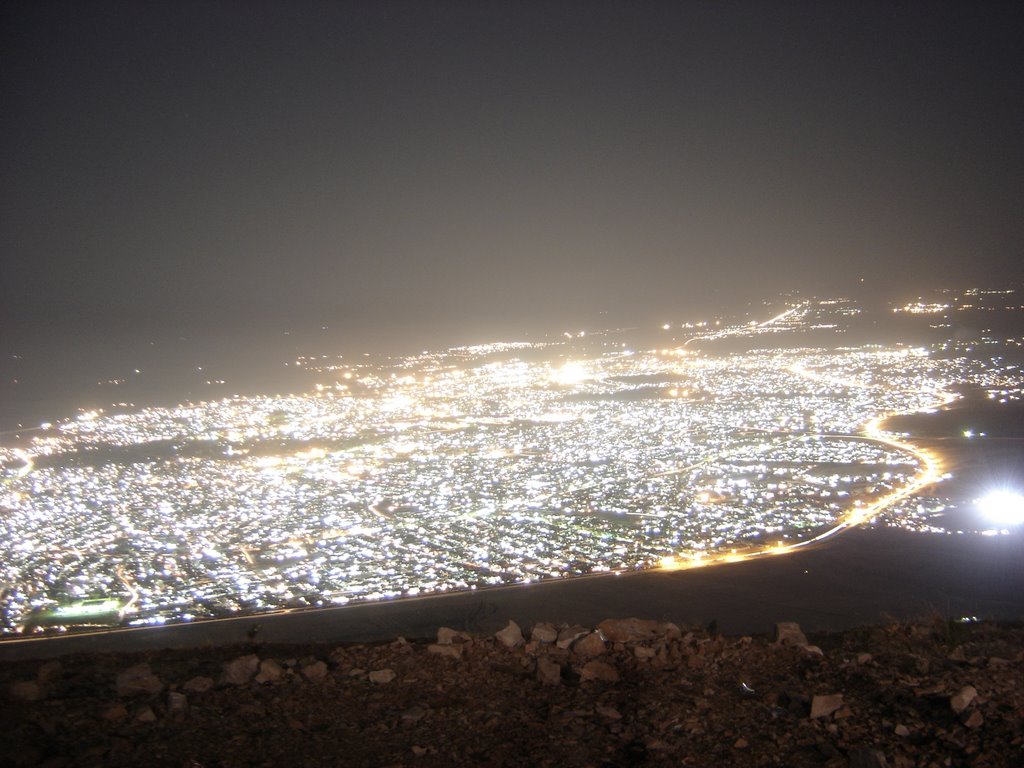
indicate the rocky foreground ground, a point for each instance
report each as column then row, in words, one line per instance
column 628, row 692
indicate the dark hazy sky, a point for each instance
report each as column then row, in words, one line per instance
column 496, row 164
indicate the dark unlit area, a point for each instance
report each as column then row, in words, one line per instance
column 626, row 692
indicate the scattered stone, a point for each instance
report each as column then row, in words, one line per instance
column 138, row 680
column 865, row 757
column 510, row 636
column 542, row 704
column 382, row 676
column 589, row 645
column 599, row 671
column 548, row 671
column 241, row 670
column 413, row 715
column 419, row 751
column 633, row 629
column 451, row 651
column 975, row 719
column 177, row 705
column 447, row 636
column 813, row 650
column 114, row 713
column 49, row 673
column 270, row 672
column 789, row 633
column 198, row 684
column 962, row 699
column 544, row 633
column 25, row 690
column 570, row 635
column 315, row 671
column 823, row 706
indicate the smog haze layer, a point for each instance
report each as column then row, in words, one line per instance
column 425, row 174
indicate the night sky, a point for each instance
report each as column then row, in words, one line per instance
column 426, row 166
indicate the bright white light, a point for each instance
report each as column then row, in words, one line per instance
column 1003, row 507
column 570, row 373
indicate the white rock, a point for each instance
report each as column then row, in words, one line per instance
column 315, row 671
column 447, row 636
column 451, row 651
column 823, row 706
column 138, row 680
column 570, row 635
column 544, row 632
column 241, row 670
column 789, row 633
column 270, row 672
column 510, row 636
column 962, row 699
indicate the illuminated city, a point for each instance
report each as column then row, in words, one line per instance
column 480, row 466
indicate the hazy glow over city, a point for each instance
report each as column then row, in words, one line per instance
column 474, row 467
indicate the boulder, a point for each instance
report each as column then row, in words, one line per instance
column 510, row 636
column 544, row 633
column 549, row 672
column 590, row 645
column 789, row 633
column 138, row 680
column 570, row 635
column 823, row 706
column 599, row 671
column 241, row 670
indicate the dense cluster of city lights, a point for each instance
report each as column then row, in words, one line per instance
column 471, row 467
